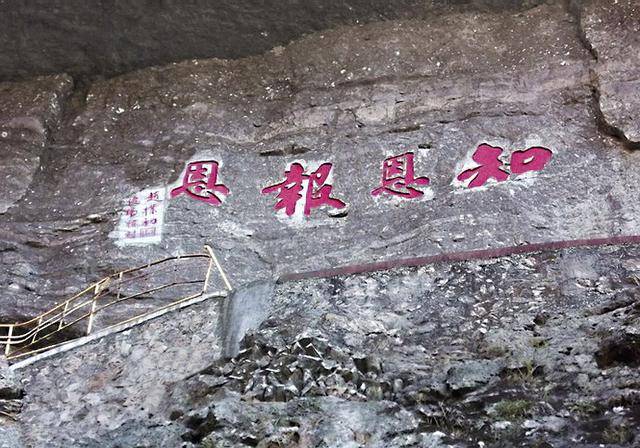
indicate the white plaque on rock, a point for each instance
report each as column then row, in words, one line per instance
column 142, row 218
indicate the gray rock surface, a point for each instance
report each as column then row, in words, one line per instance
column 10, row 436
column 328, row 97
column 110, row 392
column 11, row 394
column 9, row 384
column 518, row 351
column 107, row 38
column 611, row 29
column 244, row 310
column 531, row 350
column 28, row 112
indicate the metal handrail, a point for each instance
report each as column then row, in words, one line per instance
column 93, row 286
column 56, row 315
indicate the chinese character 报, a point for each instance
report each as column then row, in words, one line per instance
column 200, row 182
column 296, row 181
column 398, row 176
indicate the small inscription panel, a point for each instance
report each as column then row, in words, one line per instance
column 142, row 218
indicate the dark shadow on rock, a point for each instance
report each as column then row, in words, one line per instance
column 621, row 349
column 245, row 309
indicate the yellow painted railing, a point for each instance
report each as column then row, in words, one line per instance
column 44, row 331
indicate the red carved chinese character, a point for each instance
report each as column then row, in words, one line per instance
column 200, row 182
column 490, row 167
column 134, row 201
column 130, row 211
column 153, row 196
column 532, row 159
column 149, row 222
column 132, row 223
column 150, row 210
column 289, row 190
column 130, row 234
column 398, row 176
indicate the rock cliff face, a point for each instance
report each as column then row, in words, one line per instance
column 523, row 350
column 528, row 350
column 88, row 40
column 350, row 97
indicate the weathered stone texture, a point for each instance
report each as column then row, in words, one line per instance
column 612, row 30
column 28, row 111
column 534, row 350
column 351, row 96
column 89, row 39
column 531, row 350
column 525, row 350
column 11, row 393
column 110, row 392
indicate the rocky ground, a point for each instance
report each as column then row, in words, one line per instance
column 532, row 350
column 538, row 350
column 11, row 394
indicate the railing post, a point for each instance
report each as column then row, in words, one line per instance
column 96, row 292
column 64, row 314
column 33, row 339
column 93, row 310
column 208, row 275
column 7, row 348
column 212, row 255
column 23, row 341
column 119, row 285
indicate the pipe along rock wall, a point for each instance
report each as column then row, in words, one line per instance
column 349, row 146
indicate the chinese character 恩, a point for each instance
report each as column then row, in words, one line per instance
column 201, row 182
column 398, row 177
